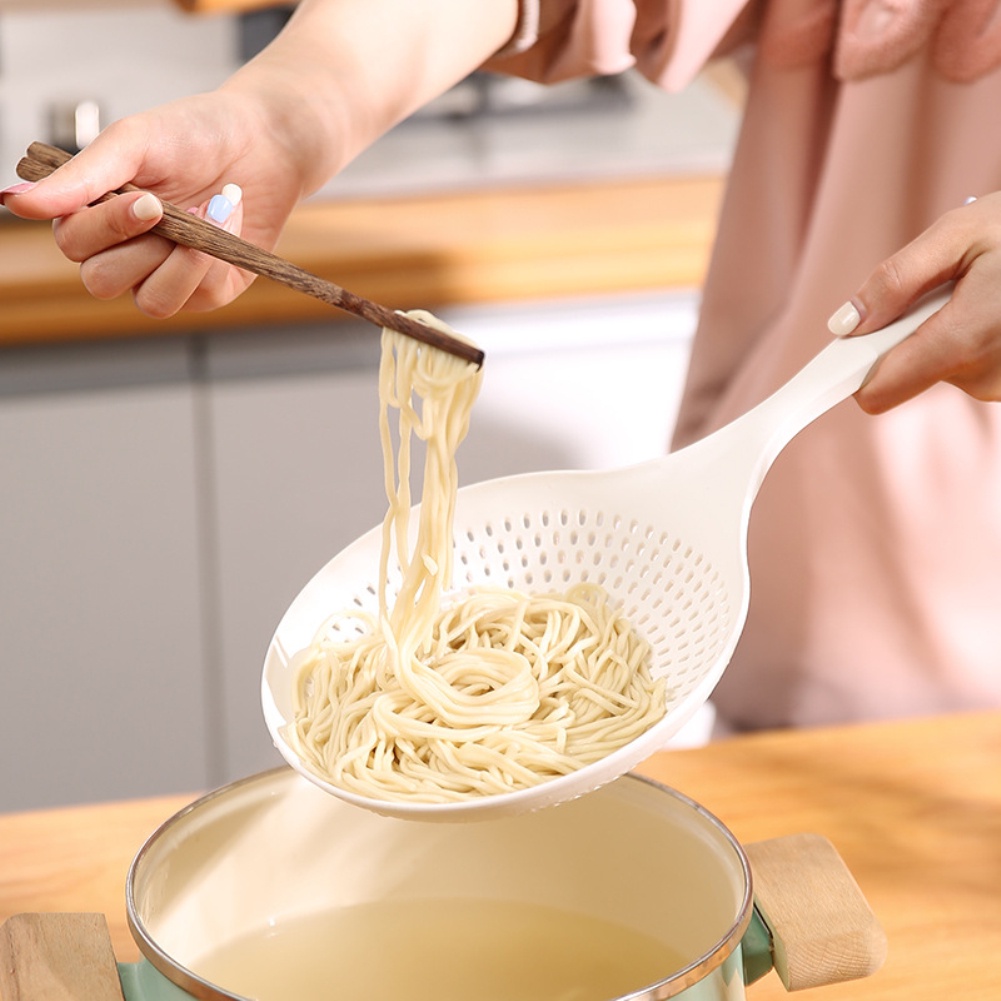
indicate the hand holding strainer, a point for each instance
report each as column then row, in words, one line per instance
column 666, row 538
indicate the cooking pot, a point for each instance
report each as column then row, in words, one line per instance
column 272, row 850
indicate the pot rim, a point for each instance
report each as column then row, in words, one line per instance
column 661, row 990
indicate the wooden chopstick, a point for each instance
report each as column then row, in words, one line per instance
column 189, row 231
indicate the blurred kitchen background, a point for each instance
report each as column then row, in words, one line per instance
column 167, row 489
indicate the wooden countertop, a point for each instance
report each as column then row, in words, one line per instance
column 469, row 246
column 913, row 807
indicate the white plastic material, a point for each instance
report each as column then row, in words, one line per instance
column 667, row 539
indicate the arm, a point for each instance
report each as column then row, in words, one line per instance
column 341, row 74
column 349, row 70
column 961, row 344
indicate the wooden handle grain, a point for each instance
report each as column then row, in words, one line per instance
column 57, row 957
column 823, row 930
column 187, row 230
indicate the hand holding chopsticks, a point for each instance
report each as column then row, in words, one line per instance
column 189, row 231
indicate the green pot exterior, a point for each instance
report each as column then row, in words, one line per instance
column 143, row 982
column 756, row 949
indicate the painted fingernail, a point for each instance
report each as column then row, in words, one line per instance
column 147, row 208
column 220, row 209
column 844, row 320
column 18, row 189
column 234, row 193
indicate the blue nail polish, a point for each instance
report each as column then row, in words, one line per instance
column 220, row 209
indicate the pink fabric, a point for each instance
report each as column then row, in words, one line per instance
column 875, row 543
column 670, row 40
column 869, row 37
column 667, row 41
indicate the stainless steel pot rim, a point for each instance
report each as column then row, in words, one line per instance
column 174, row 971
column 669, row 987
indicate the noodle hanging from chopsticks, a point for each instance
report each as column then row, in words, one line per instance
column 492, row 692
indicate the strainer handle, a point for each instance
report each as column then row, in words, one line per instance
column 832, row 376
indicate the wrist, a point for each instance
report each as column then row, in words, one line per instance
column 293, row 112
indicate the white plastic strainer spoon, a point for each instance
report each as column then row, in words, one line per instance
column 666, row 538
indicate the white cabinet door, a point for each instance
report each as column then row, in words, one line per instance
column 298, row 475
column 102, row 691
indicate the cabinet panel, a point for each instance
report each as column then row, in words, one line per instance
column 298, row 476
column 100, row 630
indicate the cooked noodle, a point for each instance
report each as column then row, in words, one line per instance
column 496, row 691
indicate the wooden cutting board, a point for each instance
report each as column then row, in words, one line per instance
column 57, row 957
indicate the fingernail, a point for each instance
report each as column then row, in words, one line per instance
column 844, row 320
column 234, row 193
column 147, row 208
column 220, row 209
column 18, row 189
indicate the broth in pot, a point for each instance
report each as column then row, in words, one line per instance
column 441, row 950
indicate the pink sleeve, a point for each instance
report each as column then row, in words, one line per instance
column 668, row 41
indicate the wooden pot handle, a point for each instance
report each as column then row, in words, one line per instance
column 57, row 957
column 823, row 930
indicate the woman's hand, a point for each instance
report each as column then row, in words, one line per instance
column 186, row 153
column 332, row 82
column 961, row 343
